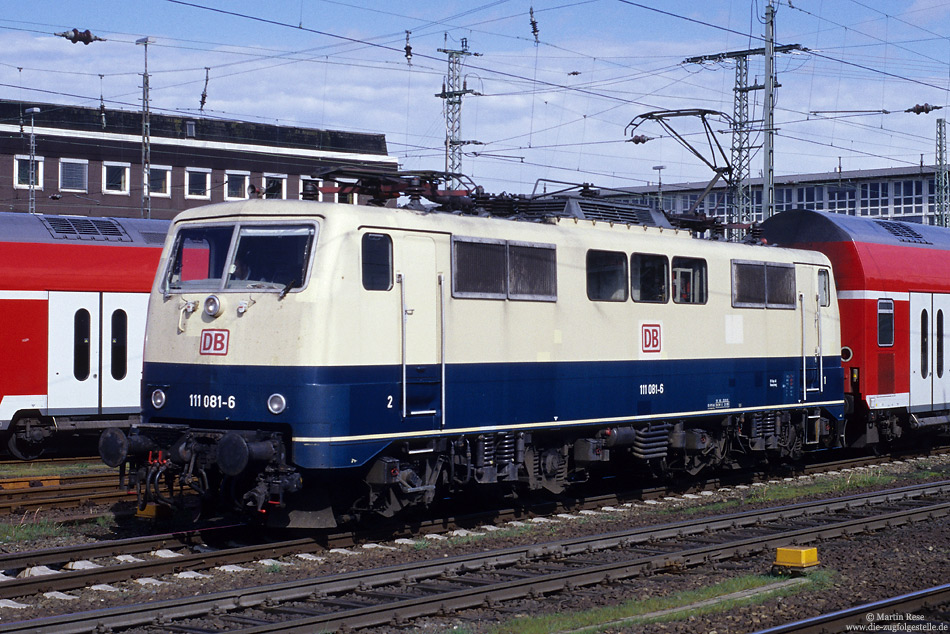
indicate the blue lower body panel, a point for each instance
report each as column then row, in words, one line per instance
column 343, row 416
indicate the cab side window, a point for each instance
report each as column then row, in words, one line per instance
column 377, row 261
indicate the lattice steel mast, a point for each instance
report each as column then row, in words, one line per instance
column 453, row 88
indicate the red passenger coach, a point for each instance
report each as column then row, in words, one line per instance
column 893, row 283
column 73, row 297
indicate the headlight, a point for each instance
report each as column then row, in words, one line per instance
column 276, row 403
column 158, row 398
column 213, row 306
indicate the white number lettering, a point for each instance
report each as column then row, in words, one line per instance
column 389, row 402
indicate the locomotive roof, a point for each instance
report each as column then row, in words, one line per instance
column 807, row 226
column 41, row 228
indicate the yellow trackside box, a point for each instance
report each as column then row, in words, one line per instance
column 796, row 557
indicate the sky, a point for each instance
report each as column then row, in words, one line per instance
column 554, row 103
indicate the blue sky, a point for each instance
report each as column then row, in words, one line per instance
column 555, row 109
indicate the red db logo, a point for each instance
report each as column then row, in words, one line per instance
column 214, row 342
column 650, row 337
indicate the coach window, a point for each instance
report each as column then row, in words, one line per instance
column 377, row 261
column 649, row 278
column 885, row 322
column 120, row 344
column 115, row 178
column 938, row 332
column 74, row 175
column 21, row 169
column 606, row 276
column 81, row 344
column 924, row 343
column 689, row 281
column 824, row 288
column 480, row 268
column 532, row 271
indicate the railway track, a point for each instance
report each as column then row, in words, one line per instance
column 906, row 607
column 399, row 593
column 34, row 493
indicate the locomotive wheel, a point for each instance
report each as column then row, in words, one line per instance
column 23, row 449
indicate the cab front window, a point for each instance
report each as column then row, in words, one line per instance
column 240, row 257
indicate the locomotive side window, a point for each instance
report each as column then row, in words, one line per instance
column 377, row 260
column 885, row 322
column 120, row 344
column 197, row 261
column 780, row 285
column 274, row 257
column 81, row 344
column 762, row 285
column 480, row 268
column 689, row 281
column 606, row 276
column 532, row 271
column 496, row 269
column 824, row 288
column 649, row 278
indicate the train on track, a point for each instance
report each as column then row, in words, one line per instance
column 73, row 298
column 317, row 363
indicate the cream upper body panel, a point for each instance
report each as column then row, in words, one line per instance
column 334, row 320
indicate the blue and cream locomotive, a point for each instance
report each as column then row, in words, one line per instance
column 320, row 361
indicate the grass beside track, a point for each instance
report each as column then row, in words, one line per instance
column 676, row 607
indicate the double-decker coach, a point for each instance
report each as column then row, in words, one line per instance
column 73, row 298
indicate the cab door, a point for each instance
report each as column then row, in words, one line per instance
column 73, row 353
column 422, row 302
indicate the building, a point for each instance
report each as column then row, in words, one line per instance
column 900, row 193
column 89, row 161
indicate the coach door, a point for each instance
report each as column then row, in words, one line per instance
column 74, row 352
column 423, row 344
column 929, row 374
column 123, row 337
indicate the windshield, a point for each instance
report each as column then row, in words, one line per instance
column 238, row 257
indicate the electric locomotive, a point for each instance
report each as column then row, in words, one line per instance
column 318, row 362
column 73, row 297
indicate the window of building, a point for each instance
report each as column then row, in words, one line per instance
column 763, row 285
column 842, row 200
column 606, row 276
column 811, row 197
column 21, row 172
column 495, row 269
column 908, row 197
column 783, row 199
column 689, row 280
column 115, row 178
column 74, row 175
column 377, row 261
column 310, row 189
column 235, row 187
column 160, row 181
column 198, row 183
column 874, row 198
column 649, row 278
column 275, row 186
column 885, row 322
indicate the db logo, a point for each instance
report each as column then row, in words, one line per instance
column 650, row 337
column 214, row 342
